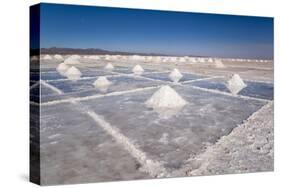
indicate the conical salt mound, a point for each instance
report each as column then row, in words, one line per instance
column 235, row 84
column 47, row 57
column 73, row 73
column 58, row 57
column 219, row 64
column 165, row 97
column 102, row 81
column 138, row 69
column 175, row 75
column 71, row 61
column 109, row 66
column 62, row 68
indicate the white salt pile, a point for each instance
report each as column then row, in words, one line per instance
column 58, row 57
column 109, row 66
column 138, row 70
column 47, row 57
column 62, row 68
column 102, row 81
column 73, row 73
column 75, row 56
column 165, row 97
column 235, row 84
column 219, row 64
column 182, row 60
column 175, row 75
column 71, row 61
column 34, row 58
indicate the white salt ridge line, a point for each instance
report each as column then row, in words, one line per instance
column 82, row 78
column 51, row 87
column 201, row 79
column 34, row 103
column 34, row 85
column 258, row 81
column 46, row 72
column 257, row 68
column 229, row 94
column 153, row 168
column 97, row 96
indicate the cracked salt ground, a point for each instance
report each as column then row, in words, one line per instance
column 75, row 150
column 198, row 124
column 254, row 89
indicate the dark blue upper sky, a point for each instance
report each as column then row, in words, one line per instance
column 149, row 31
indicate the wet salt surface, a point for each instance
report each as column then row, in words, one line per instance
column 75, row 150
column 165, row 76
column 54, row 75
column 253, row 89
column 83, row 88
column 200, row 123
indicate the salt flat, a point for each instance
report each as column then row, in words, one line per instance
column 89, row 135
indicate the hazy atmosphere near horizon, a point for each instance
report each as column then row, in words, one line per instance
column 165, row 32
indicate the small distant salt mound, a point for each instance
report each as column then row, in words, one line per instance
column 219, row 64
column 75, row 57
column 210, row 60
column 175, row 75
column 34, row 58
column 94, row 57
column 166, row 98
column 58, row 57
column 109, row 66
column 138, row 70
column 102, row 81
column 73, row 73
column 62, row 68
column 182, row 60
column 71, row 61
column 47, row 57
column 235, row 84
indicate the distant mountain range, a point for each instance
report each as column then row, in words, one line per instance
column 88, row 51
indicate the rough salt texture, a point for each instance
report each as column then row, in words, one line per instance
column 248, row 148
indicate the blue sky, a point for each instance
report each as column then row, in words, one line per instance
column 175, row 33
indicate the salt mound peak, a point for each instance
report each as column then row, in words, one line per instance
column 34, row 58
column 73, row 73
column 175, row 75
column 138, row 69
column 47, row 57
column 71, row 61
column 235, row 84
column 62, row 68
column 109, row 66
column 165, row 97
column 102, row 81
column 75, row 57
column 219, row 64
column 58, row 57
